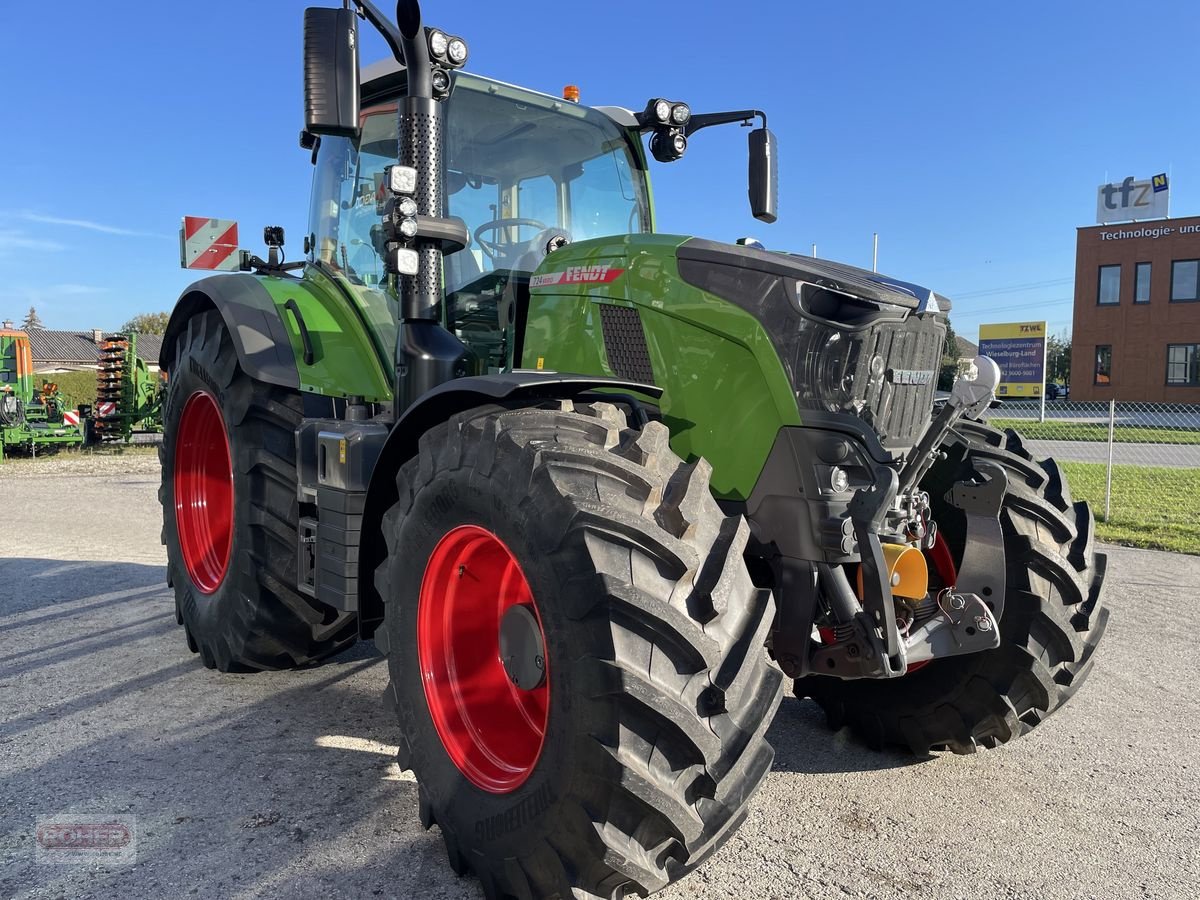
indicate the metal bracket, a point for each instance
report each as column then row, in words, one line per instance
column 867, row 511
column 796, row 606
column 966, row 626
column 982, row 570
column 860, row 655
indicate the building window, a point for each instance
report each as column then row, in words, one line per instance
column 1183, row 364
column 1110, row 285
column 1141, row 284
column 1185, row 275
column 1104, row 364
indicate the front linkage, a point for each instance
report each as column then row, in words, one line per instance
column 870, row 642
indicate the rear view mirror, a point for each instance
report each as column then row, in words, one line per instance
column 331, row 89
column 764, row 175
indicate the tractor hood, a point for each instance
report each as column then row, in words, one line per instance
column 852, row 342
column 811, row 273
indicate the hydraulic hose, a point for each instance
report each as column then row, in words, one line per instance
column 12, row 410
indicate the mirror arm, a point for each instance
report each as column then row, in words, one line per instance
column 706, row 120
column 410, row 50
column 383, row 25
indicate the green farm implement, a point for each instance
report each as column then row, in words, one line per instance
column 128, row 396
column 33, row 418
column 595, row 491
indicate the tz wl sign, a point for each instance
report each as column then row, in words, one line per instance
column 1133, row 200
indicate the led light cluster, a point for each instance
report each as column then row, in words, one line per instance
column 667, row 112
column 402, row 219
column 447, row 49
column 668, row 119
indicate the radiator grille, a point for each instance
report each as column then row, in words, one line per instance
column 898, row 404
column 886, row 373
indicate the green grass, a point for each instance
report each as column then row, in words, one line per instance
column 1054, row 430
column 1152, row 507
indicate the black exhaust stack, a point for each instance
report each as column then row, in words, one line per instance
column 426, row 354
column 418, row 232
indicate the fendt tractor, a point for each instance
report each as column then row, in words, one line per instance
column 595, row 491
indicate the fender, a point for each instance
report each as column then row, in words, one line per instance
column 303, row 334
column 516, row 388
column 263, row 346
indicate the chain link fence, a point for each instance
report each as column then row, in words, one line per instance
column 1138, row 464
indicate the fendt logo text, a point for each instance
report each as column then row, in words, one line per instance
column 910, row 376
column 601, row 274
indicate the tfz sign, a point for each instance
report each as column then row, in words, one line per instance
column 1132, row 199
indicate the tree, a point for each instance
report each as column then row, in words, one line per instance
column 148, row 323
column 1058, row 357
column 949, row 368
column 32, row 320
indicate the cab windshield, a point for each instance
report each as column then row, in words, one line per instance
column 519, row 168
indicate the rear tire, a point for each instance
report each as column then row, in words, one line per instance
column 659, row 688
column 240, row 607
column 1052, row 622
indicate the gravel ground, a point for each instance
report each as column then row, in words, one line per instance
column 282, row 784
column 109, row 461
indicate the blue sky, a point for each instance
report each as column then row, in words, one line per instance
column 970, row 136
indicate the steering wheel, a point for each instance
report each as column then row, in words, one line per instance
column 495, row 249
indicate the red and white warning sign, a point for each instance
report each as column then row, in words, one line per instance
column 71, row 417
column 209, row 244
column 105, row 409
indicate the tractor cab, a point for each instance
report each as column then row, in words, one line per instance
column 526, row 173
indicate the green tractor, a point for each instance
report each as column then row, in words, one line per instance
column 595, row 491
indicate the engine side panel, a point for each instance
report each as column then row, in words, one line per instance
column 618, row 307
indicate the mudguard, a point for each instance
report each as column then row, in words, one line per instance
column 435, row 407
column 263, row 346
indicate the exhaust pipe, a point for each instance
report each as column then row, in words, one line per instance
column 426, row 354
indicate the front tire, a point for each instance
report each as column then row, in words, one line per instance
column 658, row 691
column 1053, row 618
column 230, row 514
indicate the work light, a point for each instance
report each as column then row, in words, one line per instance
column 438, row 44
column 402, row 179
column 457, row 51
column 405, row 261
column 681, row 113
column 668, row 145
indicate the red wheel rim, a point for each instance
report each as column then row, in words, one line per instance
column 203, row 491
column 492, row 730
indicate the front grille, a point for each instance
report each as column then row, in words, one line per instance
column 885, row 374
column 899, row 405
